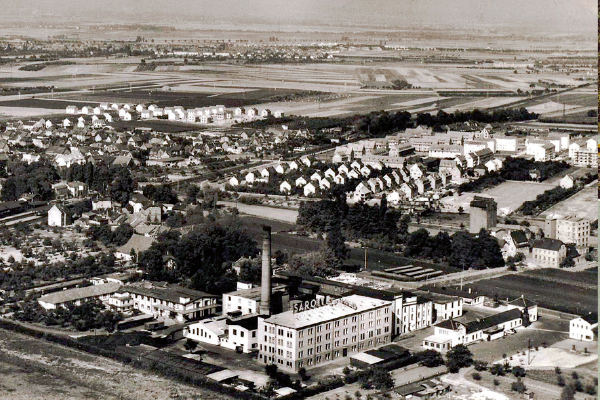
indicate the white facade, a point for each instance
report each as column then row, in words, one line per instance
column 310, row 338
column 580, row 329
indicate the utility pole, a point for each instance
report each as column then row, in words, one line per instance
column 366, row 264
column 529, row 351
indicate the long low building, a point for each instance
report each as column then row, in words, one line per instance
column 451, row 333
column 76, row 296
column 306, row 337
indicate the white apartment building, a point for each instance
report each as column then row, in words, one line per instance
column 572, row 229
column 293, row 340
column 506, row 144
column 172, row 301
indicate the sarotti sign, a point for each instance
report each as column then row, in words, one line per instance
column 309, row 305
column 316, row 303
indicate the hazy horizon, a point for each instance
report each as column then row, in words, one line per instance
column 507, row 16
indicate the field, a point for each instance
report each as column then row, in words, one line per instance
column 377, row 260
column 583, row 204
column 36, row 369
column 509, row 196
column 276, row 86
column 562, row 291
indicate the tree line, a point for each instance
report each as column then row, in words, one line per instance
column 203, row 257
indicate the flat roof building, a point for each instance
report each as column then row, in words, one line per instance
column 296, row 339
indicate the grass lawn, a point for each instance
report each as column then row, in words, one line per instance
column 566, row 297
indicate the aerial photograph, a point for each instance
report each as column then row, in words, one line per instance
column 278, row 199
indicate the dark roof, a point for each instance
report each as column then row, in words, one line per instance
column 493, row 320
column 482, row 202
column 547, row 244
column 519, row 237
column 170, row 293
column 249, row 323
column 591, row 318
column 450, row 291
column 450, row 324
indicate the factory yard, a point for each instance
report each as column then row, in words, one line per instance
column 509, row 195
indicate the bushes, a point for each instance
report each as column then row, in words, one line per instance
column 546, row 200
column 480, row 365
column 518, row 387
column 476, row 376
column 497, row 369
column 430, row 358
column 518, row 372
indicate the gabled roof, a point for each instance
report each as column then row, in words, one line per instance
column 547, row 244
column 450, row 324
column 519, row 237
column 493, row 320
column 522, row 302
column 80, row 293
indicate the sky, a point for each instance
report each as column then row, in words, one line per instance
column 548, row 16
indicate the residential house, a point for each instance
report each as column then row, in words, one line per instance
column 309, row 189
column 57, row 216
column 584, row 328
column 548, row 252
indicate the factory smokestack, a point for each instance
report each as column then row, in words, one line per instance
column 265, row 284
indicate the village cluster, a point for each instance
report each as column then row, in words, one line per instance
column 104, row 113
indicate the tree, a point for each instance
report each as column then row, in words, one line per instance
column 190, row 345
column 430, row 358
column 458, row 357
column 476, row 376
column 518, row 386
column 480, row 365
column 496, row 383
column 271, row 370
column 377, row 377
column 518, row 372
column 568, row 393
column 336, row 242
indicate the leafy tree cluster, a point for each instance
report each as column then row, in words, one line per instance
column 358, row 221
column 376, row 377
column 113, row 181
column 504, row 115
column 24, row 275
column 462, row 249
column 203, row 256
column 518, row 169
column 430, row 358
column 161, row 194
column 546, row 200
column 458, row 357
column 118, row 237
column 36, row 178
column 321, row 263
column 90, row 314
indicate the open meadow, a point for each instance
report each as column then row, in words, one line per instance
column 509, row 195
column 35, row 369
column 562, row 290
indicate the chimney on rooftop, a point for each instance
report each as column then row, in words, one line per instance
column 265, row 284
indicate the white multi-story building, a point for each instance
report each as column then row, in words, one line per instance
column 582, row 328
column 172, row 301
column 308, row 338
column 506, row 144
column 246, row 300
column 572, row 229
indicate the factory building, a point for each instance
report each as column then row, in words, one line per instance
column 318, row 332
